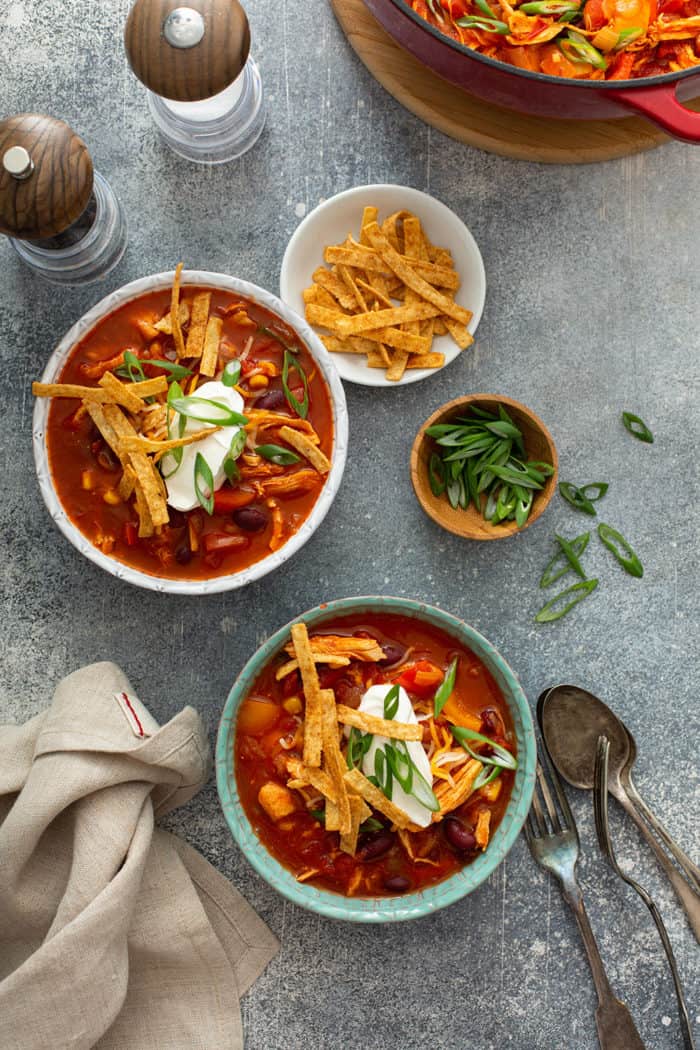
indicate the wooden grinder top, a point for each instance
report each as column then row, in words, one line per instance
column 187, row 50
column 46, row 176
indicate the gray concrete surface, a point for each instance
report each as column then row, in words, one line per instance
column 592, row 307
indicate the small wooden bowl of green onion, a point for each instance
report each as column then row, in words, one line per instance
column 484, row 467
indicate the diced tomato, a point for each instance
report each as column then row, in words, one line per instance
column 421, row 678
column 228, row 499
column 593, row 15
column 131, row 533
column 218, row 542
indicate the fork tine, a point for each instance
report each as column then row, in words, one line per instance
column 548, row 800
column 555, row 780
column 538, row 819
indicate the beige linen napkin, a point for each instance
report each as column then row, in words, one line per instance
column 112, row 933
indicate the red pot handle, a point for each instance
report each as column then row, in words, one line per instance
column 661, row 106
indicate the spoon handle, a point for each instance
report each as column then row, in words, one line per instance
column 690, row 869
column 690, row 901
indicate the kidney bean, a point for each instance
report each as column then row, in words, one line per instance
column 177, row 518
column 397, row 884
column 250, row 518
column 491, row 722
column 271, row 400
column 348, row 693
column 183, row 554
column 459, row 837
column 393, row 653
column 376, row 845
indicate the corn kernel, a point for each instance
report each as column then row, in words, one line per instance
column 258, row 382
column 88, row 480
column 269, row 368
column 292, row 705
column 112, row 497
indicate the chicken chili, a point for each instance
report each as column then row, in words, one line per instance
column 375, row 756
column 579, row 39
column 190, row 433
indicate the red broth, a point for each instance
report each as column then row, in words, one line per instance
column 267, row 735
column 75, row 445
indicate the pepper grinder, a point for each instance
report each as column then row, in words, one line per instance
column 61, row 216
column 204, row 90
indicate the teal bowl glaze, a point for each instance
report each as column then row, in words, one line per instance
column 408, row 905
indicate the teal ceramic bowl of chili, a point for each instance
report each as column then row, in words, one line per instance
column 407, row 905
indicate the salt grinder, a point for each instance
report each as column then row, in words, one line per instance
column 204, row 90
column 61, row 216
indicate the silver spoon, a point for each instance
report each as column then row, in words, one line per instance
column 571, row 721
column 600, row 809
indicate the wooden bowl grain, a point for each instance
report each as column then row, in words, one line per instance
column 469, row 523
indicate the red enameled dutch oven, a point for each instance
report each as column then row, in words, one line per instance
column 657, row 98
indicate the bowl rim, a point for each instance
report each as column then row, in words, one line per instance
column 454, row 405
column 126, row 293
column 375, row 377
column 379, row 909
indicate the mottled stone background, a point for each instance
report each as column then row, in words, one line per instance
column 592, row 307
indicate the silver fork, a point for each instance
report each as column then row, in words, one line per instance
column 554, row 843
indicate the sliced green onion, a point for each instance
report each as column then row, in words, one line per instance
column 444, row 691
column 278, row 339
column 505, row 759
column 277, row 454
column 205, row 410
column 204, row 483
column 231, row 373
column 576, row 497
column 132, row 367
column 570, row 555
column 552, row 572
column 436, row 475
column 401, row 765
column 174, row 391
column 487, row 774
column 231, row 469
column 628, row 36
column 577, row 49
column 548, row 7
column 485, row 9
column 616, row 542
column 358, row 746
column 637, row 427
column 371, row 824
column 489, row 25
column 522, row 510
column 318, row 814
column 431, row 5
column 550, row 612
column 383, row 773
column 300, row 407
column 391, row 702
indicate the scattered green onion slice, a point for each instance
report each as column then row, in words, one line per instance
column 637, row 427
column 391, row 702
column 577, row 49
column 174, row 391
column 278, row 339
column 436, row 475
column 616, row 542
column 444, row 691
column 277, row 454
column 383, row 773
column 132, row 367
column 237, row 445
column 401, row 765
column 549, row 7
column 487, row 774
column 318, row 814
column 628, row 36
column 231, row 373
column 371, row 824
column 503, row 758
column 436, row 14
column 485, row 9
column 358, row 746
column 204, row 483
column 552, row 572
column 575, row 496
column 489, row 25
column 300, row 407
column 550, row 611
column 205, row 410
column 570, row 555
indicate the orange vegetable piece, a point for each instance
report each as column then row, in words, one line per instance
column 257, row 716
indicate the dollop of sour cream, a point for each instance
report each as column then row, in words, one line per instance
column 180, row 483
column 373, row 704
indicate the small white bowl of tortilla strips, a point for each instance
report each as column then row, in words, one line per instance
column 395, row 252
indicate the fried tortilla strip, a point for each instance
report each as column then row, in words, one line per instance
column 165, row 325
column 335, row 345
column 210, row 352
column 300, row 481
column 373, row 290
column 451, row 797
column 307, row 448
column 322, row 297
column 198, row 324
column 262, row 419
column 377, row 800
column 97, row 415
column 359, row 811
column 175, row 325
column 412, row 279
column 333, row 758
column 369, row 259
column 431, row 360
column 146, row 526
column 413, row 344
column 395, row 315
column 142, row 444
column 319, row 658
column 390, row 229
column 483, row 827
column 313, row 726
column 335, row 286
column 83, row 393
column 459, row 332
column 126, row 483
column 366, row 649
column 145, row 387
column 149, row 481
column 348, row 716
column 123, row 393
column 316, row 778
